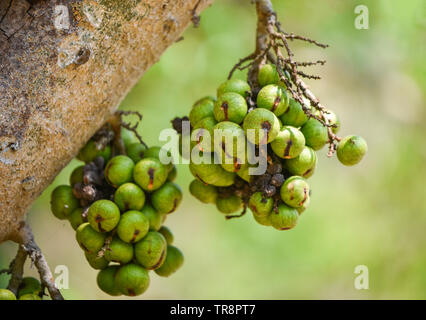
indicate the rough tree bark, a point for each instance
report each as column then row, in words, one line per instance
column 62, row 76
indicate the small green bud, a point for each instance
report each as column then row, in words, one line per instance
column 174, row 260
column 29, row 285
column 261, row 120
column 212, row 173
column 106, row 280
column 119, row 170
column 155, row 218
column 260, row 205
column 273, row 98
column 285, row 219
column 201, row 109
column 133, row 226
column 294, row 115
column 76, row 218
column 316, row 135
column 289, row 143
column 230, row 106
column 167, row 198
column 204, row 193
column 129, row 196
column 351, row 150
column 234, row 85
column 95, row 261
column 167, row 234
column 295, row 191
column 30, row 296
column 76, row 175
column 103, row 215
column 132, row 280
column 119, row 251
column 151, row 251
column 7, row 295
column 89, row 239
column 90, row 152
column 150, row 174
column 63, row 202
column 229, row 204
column 136, row 152
column 304, row 164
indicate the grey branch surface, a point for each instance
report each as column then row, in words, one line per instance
column 62, row 77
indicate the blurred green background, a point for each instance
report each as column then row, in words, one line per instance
column 373, row 214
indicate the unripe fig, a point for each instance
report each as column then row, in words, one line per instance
column 260, row 205
column 89, row 239
column 119, row 170
column 76, row 218
column 233, row 136
column 172, row 174
column 268, row 74
column 150, row 174
column 304, row 206
column 167, row 234
column 294, row 115
column 106, row 280
column 7, row 295
column 136, row 152
column 29, row 285
column 95, row 261
column 155, row 218
column 332, row 119
column 204, row 193
column 76, row 175
column 90, row 152
column 63, row 202
column 133, row 226
column 103, row 215
column 211, row 173
column 273, row 98
column 316, row 134
column 128, row 137
column 261, row 120
column 119, row 251
column 174, row 260
column 285, row 219
column 30, row 296
column 295, row 191
column 132, row 280
column 167, row 198
column 263, row 220
column 289, row 143
column 151, row 251
column 154, row 152
column 304, row 164
column 351, row 150
column 129, row 196
column 230, row 106
column 229, row 204
column 234, row 85
column 202, row 129
column 201, row 109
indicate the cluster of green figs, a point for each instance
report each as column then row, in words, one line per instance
column 117, row 205
column 29, row 289
column 282, row 193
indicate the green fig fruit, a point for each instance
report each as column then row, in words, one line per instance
column 174, row 260
column 351, row 150
column 286, row 218
column 295, row 191
column 289, row 143
column 167, row 198
column 103, row 215
column 230, row 106
column 132, row 280
column 119, row 170
column 129, row 196
column 63, row 202
column 151, row 251
column 133, row 226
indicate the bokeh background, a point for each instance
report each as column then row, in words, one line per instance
column 373, row 214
